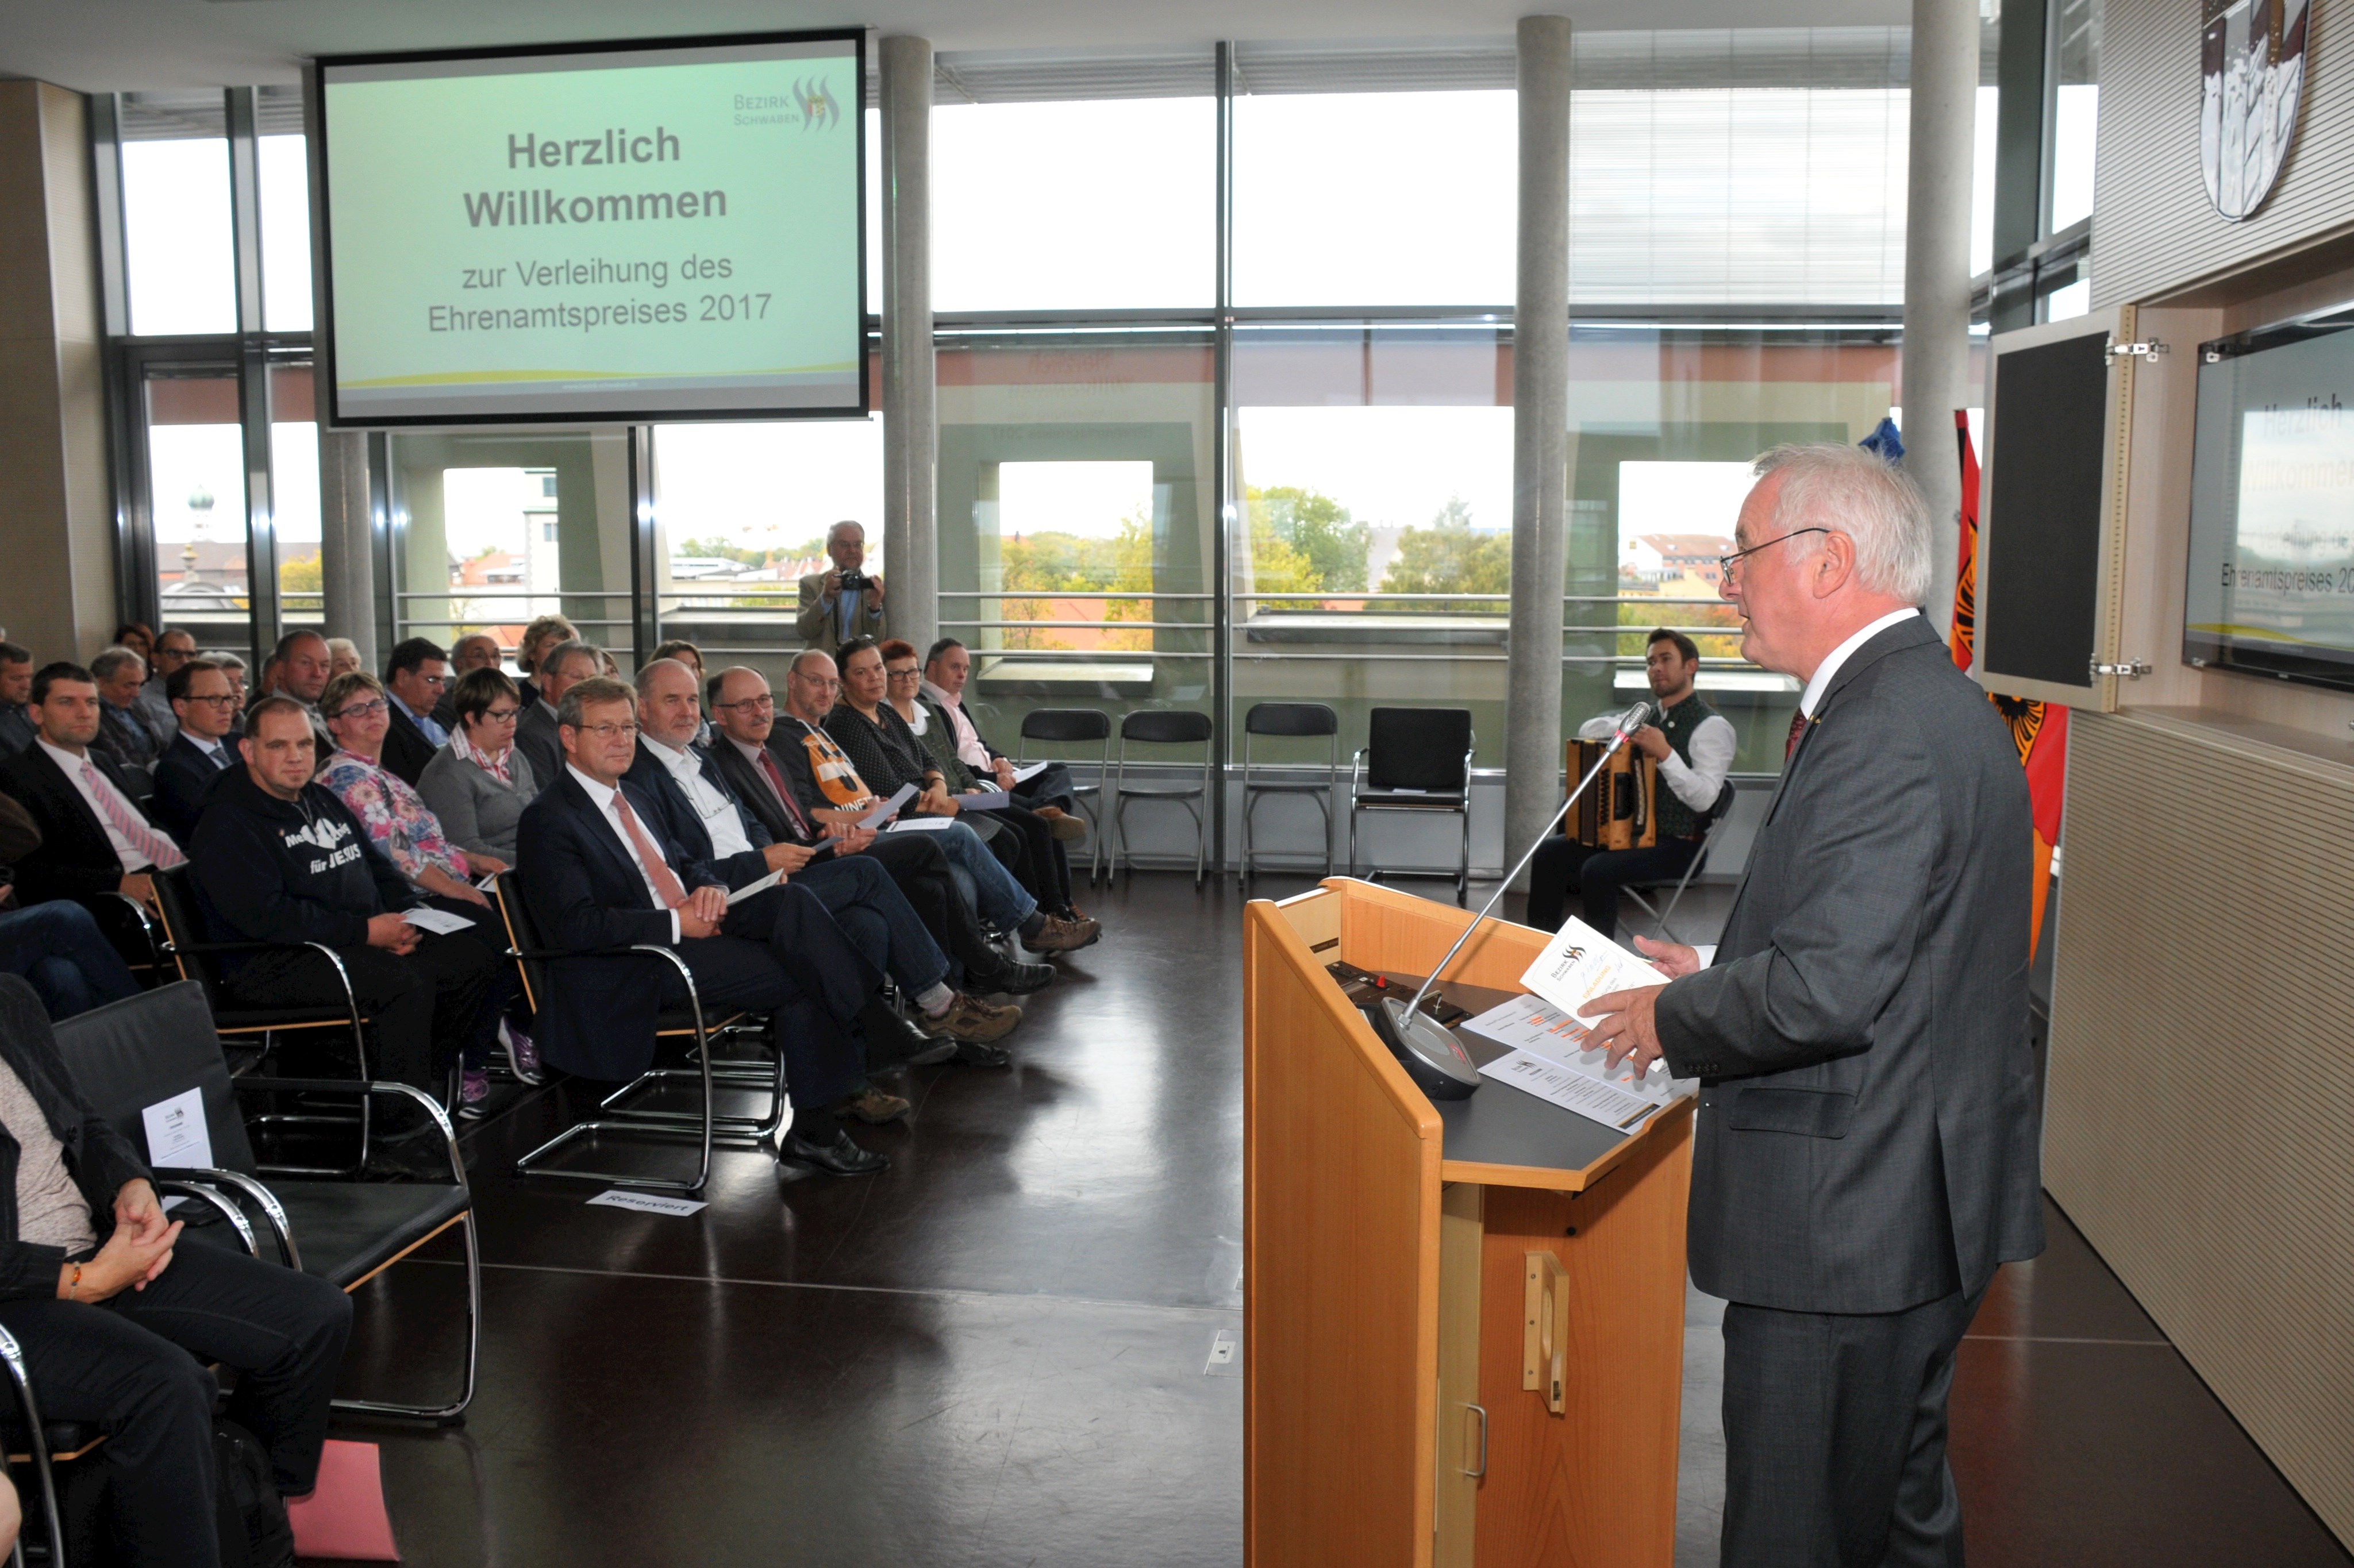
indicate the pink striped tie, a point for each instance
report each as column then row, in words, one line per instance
column 160, row 850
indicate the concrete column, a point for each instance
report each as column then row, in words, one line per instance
column 1540, row 437
column 911, row 427
column 57, row 594
column 346, row 537
column 1937, row 271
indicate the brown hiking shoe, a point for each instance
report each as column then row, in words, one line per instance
column 873, row 1107
column 1070, row 830
column 1062, row 935
column 970, row 1018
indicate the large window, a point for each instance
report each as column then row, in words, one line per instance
column 179, row 264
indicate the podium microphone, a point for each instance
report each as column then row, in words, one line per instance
column 1426, row 1048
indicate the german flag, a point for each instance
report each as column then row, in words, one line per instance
column 2039, row 730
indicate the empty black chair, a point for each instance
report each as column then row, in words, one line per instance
column 197, row 959
column 1710, row 820
column 1075, row 726
column 134, row 1054
column 1165, row 726
column 620, row 1120
column 1303, row 720
column 1416, row 760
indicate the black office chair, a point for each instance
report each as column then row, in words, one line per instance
column 1164, row 726
column 58, row 1443
column 131, row 1054
column 197, row 958
column 1416, row 760
column 1305, row 720
column 1075, row 726
column 1643, row 893
column 622, row 1121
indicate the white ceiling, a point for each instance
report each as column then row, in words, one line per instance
column 98, row 46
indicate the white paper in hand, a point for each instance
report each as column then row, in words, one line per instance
column 884, row 813
column 1580, row 963
column 1024, row 775
column 922, row 825
column 177, row 1138
column 761, row 885
column 440, row 921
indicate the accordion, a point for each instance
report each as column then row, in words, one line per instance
column 1621, row 811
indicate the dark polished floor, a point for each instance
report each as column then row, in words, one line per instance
column 998, row 1352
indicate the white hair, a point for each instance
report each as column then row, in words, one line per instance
column 1847, row 489
column 830, row 534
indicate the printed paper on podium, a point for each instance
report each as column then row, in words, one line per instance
column 1550, row 1058
column 1580, row 963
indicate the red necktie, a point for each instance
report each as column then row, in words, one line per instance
column 667, row 887
column 1798, row 733
column 777, row 782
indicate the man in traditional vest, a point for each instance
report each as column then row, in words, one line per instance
column 1693, row 745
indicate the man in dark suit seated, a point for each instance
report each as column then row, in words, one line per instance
column 205, row 705
column 561, row 668
column 699, row 809
column 414, row 680
column 599, row 875
column 280, row 859
column 95, row 841
column 1866, row 1151
column 124, row 732
column 15, row 690
column 746, row 719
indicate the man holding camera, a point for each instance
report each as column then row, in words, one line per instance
column 845, row 602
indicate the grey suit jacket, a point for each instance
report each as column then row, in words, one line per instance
column 1868, row 1132
column 818, row 626
column 536, row 739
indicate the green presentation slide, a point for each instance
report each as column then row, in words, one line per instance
column 657, row 230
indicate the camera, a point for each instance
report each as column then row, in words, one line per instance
column 854, row 581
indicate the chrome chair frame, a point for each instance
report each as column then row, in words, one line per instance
column 1183, row 795
column 1325, row 800
column 28, row 1408
column 1636, row 890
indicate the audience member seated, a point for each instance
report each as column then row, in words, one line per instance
column 947, row 668
column 206, row 706
column 688, row 654
column 599, row 875
column 174, row 648
column 406, row 832
column 119, row 1326
column 414, row 679
column 56, row 946
column 1693, row 745
column 477, row 650
column 278, row 858
column 695, row 806
column 299, row 668
column 15, row 691
column 561, row 668
column 343, row 656
column 828, row 617
column 538, row 638
column 135, row 636
column 123, row 732
column 1043, row 867
column 95, row 841
column 232, row 665
column 746, row 721
column 828, row 789
column 479, row 784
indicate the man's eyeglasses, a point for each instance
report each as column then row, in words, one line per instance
column 765, row 702
column 1730, row 565
column 823, row 683
column 229, row 697
column 609, row 731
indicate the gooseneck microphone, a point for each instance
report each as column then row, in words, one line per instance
column 1426, row 1048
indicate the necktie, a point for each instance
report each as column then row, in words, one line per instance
column 161, row 852
column 217, row 756
column 667, row 887
column 1798, row 733
column 777, row 782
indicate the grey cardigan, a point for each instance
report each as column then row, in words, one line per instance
column 477, row 812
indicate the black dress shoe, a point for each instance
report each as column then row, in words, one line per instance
column 1015, row 979
column 840, row 1158
column 980, row 1053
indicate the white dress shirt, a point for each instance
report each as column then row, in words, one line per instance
column 1829, row 668
column 132, row 859
column 604, row 795
column 720, row 818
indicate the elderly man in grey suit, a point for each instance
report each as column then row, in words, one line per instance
column 1866, row 1153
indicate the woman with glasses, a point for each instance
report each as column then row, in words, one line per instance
column 479, row 784
column 408, row 834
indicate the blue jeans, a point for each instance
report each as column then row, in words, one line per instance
column 58, row 948
column 1001, row 901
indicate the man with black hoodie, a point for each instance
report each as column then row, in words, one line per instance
column 280, row 859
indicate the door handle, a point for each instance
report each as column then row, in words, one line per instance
column 1481, row 1473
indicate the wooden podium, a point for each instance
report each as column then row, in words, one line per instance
column 1404, row 1261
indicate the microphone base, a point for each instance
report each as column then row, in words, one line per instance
column 1427, row 1049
